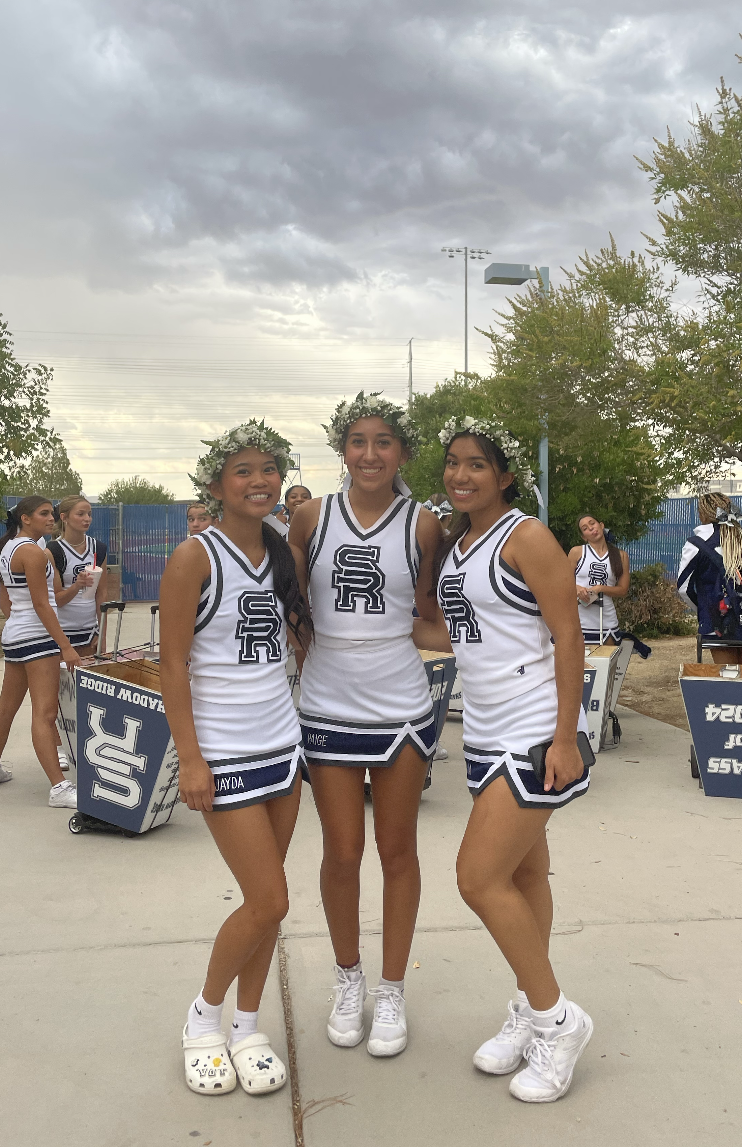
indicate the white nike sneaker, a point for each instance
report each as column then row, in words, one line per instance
column 502, row 1054
column 63, row 795
column 389, row 1029
column 345, row 1025
column 551, row 1061
column 6, row 773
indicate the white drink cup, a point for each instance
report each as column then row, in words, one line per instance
column 88, row 594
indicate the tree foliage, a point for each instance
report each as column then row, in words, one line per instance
column 135, row 491
column 24, row 407
column 49, row 472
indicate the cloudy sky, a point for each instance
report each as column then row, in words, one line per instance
column 220, row 209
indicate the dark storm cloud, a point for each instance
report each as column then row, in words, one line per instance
column 294, row 143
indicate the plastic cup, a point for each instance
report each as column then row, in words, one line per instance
column 88, row 594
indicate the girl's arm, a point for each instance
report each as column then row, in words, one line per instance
column 432, row 635
column 534, row 551
column 63, row 596
column 180, row 590
column 621, row 588
column 32, row 561
column 429, row 537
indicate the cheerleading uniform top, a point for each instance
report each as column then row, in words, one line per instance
column 79, row 617
column 593, row 572
column 25, row 638
column 363, row 671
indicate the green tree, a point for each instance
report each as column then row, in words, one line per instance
column 48, row 472
column 24, row 407
column 135, row 491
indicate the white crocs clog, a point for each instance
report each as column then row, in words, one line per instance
column 208, row 1069
column 258, row 1067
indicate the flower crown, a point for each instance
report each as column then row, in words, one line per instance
column 372, row 406
column 252, row 433
column 496, row 432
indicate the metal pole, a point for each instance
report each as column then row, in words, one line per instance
column 543, row 446
column 466, row 310
column 409, row 373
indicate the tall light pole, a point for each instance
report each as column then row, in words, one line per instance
column 468, row 253
column 515, row 275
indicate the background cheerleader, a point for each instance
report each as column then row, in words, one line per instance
column 75, row 554
column 294, row 497
column 600, row 568
column 33, row 640
column 225, row 600
column 506, row 588
column 365, row 701
column 198, row 518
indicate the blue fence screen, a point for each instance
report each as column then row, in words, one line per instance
column 140, row 539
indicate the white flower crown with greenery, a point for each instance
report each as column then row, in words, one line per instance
column 252, row 433
column 371, row 406
column 496, row 432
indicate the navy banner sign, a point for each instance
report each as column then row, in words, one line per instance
column 714, row 708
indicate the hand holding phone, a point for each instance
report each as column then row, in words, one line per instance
column 560, row 772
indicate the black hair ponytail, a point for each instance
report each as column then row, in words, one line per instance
column 14, row 517
column 286, row 585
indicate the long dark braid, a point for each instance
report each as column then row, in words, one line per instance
column 286, row 585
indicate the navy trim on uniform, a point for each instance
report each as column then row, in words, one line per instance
column 256, row 782
column 30, row 650
column 219, row 583
column 525, row 593
column 459, row 558
column 478, row 780
column 81, row 637
column 513, row 573
column 359, row 724
column 323, row 530
column 581, row 562
column 243, row 563
column 365, row 746
column 388, row 516
column 408, row 543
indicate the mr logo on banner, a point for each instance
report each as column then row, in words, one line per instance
column 113, row 759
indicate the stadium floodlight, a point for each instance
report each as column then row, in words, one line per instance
column 515, row 275
column 468, row 253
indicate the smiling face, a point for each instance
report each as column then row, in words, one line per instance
column 474, row 483
column 373, row 454
column 295, row 497
column 40, row 522
column 249, row 484
column 199, row 519
column 79, row 517
column 591, row 529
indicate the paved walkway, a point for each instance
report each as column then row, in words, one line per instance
column 104, row 942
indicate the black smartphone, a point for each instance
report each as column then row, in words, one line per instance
column 537, row 753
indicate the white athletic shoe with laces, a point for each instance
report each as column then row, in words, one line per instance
column 389, row 1029
column 6, row 773
column 63, row 795
column 502, row 1054
column 551, row 1061
column 345, row 1025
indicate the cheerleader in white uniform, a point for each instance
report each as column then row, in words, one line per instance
column 228, row 596
column 33, row 640
column 506, row 589
column 365, row 702
column 74, row 553
column 600, row 567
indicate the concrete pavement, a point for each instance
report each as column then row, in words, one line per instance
column 104, row 942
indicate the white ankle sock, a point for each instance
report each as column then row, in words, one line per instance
column 522, row 999
column 556, row 1020
column 355, row 972
column 391, row 984
column 203, row 1018
column 243, row 1025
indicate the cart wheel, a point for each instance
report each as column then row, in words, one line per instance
column 694, row 764
column 76, row 824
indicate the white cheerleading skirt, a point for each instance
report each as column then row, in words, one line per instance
column 25, row 638
column 254, row 751
column 497, row 738
column 362, row 702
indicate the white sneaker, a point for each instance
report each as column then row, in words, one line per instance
column 502, row 1054
column 63, row 795
column 6, row 773
column 345, row 1025
column 440, row 753
column 551, row 1061
column 389, row 1029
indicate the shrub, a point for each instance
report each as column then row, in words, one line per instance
column 652, row 607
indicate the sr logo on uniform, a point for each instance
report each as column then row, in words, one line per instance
column 259, row 627
column 458, row 611
column 359, row 579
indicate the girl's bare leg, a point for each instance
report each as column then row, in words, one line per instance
column 247, row 841
column 15, row 686
column 43, row 685
column 396, row 795
column 338, row 796
column 499, row 837
column 282, row 813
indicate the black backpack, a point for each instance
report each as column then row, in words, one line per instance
column 726, row 604
column 60, row 554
